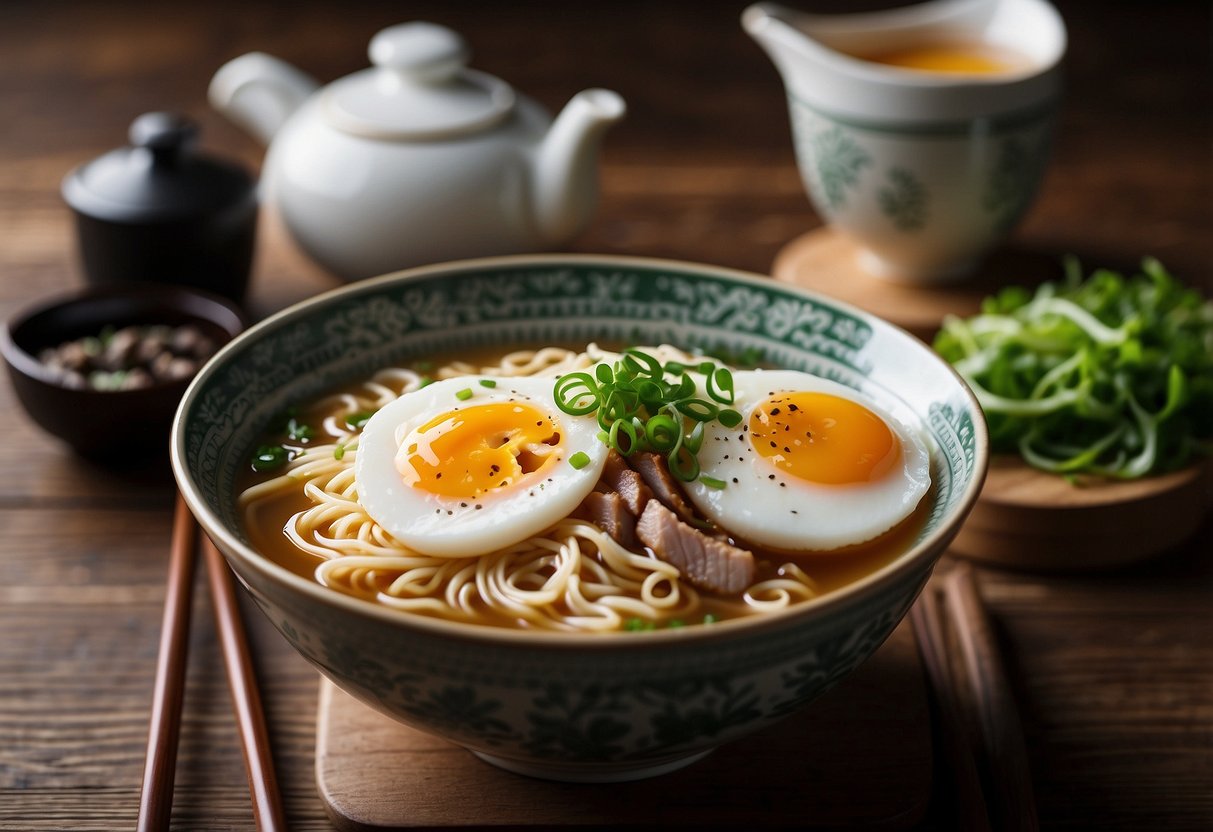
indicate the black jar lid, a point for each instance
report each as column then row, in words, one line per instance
column 159, row 178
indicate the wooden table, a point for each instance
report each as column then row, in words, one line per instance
column 1114, row 672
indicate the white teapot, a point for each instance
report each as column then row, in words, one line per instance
column 417, row 159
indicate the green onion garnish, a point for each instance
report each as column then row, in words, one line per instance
column 269, row 457
column 710, row 619
column 1109, row 374
column 579, row 460
column 712, row 482
column 464, row 394
column 357, row 421
column 424, row 381
column 487, row 382
column 642, row 405
column 298, row 431
column 339, row 452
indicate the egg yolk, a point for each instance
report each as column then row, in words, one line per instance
column 474, row 450
column 822, row 438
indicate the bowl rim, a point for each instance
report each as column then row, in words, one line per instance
column 927, row 549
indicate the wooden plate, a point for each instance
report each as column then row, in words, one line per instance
column 1035, row 520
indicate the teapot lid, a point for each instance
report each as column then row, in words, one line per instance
column 159, row 177
column 419, row 88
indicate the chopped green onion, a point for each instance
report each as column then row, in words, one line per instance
column 629, row 431
column 1108, row 374
column 298, row 431
column 641, row 404
column 636, row 625
column 683, row 464
column 579, row 460
column 424, row 381
column 709, row 618
column 357, row 421
column 720, row 385
column 487, row 382
column 339, row 452
column 635, row 357
column 712, row 482
column 694, row 440
column 697, row 409
column 675, row 623
column 577, row 394
column 729, row 418
column 663, row 432
column 269, row 457
column 464, row 394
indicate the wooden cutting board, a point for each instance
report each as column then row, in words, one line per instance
column 858, row 757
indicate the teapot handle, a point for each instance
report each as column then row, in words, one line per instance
column 259, row 92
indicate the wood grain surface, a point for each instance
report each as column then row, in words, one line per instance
column 1113, row 672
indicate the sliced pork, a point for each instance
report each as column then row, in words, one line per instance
column 608, row 510
column 618, row 477
column 652, row 468
column 704, row 561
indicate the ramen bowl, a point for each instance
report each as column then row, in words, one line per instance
column 572, row 706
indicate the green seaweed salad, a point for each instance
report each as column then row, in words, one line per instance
column 1110, row 375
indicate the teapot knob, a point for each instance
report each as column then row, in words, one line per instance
column 422, row 51
column 166, row 135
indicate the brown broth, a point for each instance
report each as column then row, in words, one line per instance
column 830, row 570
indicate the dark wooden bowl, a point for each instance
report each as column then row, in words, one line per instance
column 109, row 426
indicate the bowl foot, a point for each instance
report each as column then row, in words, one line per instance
column 591, row 772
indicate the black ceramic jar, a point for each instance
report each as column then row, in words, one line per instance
column 159, row 211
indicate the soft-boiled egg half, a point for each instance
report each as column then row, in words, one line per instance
column 467, row 466
column 813, row 465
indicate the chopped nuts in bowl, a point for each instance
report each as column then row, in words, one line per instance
column 104, row 368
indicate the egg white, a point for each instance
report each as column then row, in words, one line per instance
column 446, row 526
column 800, row 515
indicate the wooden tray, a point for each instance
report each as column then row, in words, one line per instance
column 1035, row 520
column 858, row 757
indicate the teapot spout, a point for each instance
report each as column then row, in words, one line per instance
column 566, row 167
column 259, row 92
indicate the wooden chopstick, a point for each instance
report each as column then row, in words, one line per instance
column 1003, row 751
column 246, row 701
column 971, row 809
column 156, row 798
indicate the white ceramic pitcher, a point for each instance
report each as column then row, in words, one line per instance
column 924, row 171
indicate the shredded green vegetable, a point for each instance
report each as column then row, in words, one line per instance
column 1110, row 375
column 643, row 405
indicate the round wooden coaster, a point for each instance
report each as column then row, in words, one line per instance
column 827, row 262
column 1031, row 519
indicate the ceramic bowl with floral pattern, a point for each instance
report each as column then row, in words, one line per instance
column 580, row 707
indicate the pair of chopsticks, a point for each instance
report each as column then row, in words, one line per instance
column 980, row 729
column 155, row 803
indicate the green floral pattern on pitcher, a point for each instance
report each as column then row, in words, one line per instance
column 903, row 199
column 839, row 161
